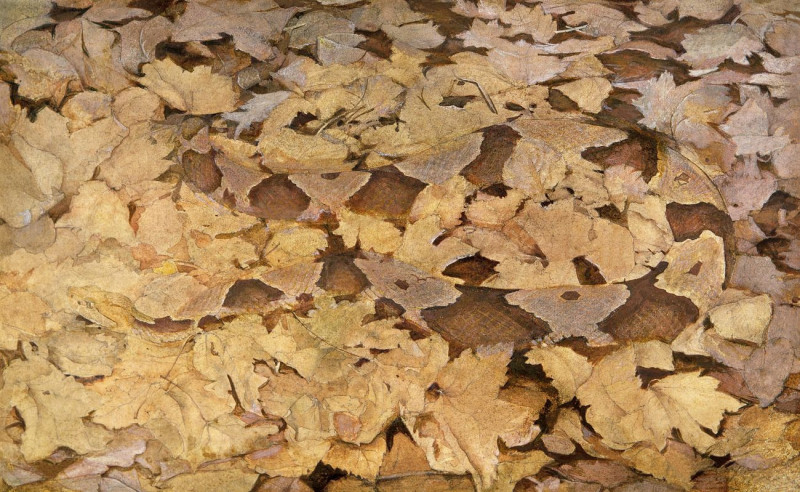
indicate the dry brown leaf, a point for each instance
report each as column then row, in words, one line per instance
column 371, row 233
column 567, row 369
column 53, row 407
column 197, row 92
column 291, row 152
column 462, row 420
column 741, row 317
column 416, row 35
column 623, row 413
column 605, row 244
column 418, row 246
column 677, row 463
column 252, row 25
column 711, row 46
column 588, row 93
column 23, row 317
column 244, row 245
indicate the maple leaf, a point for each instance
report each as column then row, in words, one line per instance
column 463, row 418
column 418, row 249
column 567, row 369
column 197, row 92
column 711, row 46
column 252, row 25
column 623, row 413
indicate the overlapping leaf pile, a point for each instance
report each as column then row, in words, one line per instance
column 379, row 245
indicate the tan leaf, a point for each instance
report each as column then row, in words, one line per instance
column 418, row 249
column 462, row 420
column 197, row 92
column 362, row 461
column 567, row 369
column 405, row 284
column 23, row 317
column 290, row 152
column 53, row 407
column 420, row 36
column 226, row 358
column 677, row 463
column 445, row 201
column 371, row 233
column 623, row 413
column 209, row 481
column 253, row 25
column 588, row 93
column 98, row 210
column 711, row 46
column 740, row 317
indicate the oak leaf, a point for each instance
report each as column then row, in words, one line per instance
column 252, row 25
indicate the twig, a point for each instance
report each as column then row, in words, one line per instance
column 485, row 96
column 572, row 29
column 335, row 347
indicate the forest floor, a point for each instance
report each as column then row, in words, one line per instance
column 295, row 245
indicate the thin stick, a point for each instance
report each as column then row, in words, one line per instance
column 572, row 29
column 327, row 342
column 485, row 96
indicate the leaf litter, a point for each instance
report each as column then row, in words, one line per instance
column 396, row 245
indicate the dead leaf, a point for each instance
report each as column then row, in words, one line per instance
column 197, row 92
column 53, row 407
column 458, row 439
